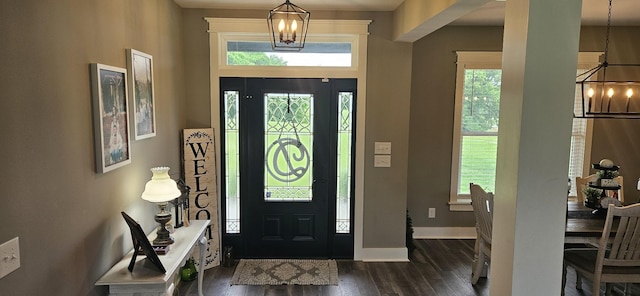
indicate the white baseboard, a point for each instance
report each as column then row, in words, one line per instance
column 401, row 254
column 444, row 233
column 385, row 255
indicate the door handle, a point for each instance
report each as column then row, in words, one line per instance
column 322, row 180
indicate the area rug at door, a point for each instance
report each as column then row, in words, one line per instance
column 285, row 272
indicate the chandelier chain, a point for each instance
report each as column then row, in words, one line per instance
column 606, row 46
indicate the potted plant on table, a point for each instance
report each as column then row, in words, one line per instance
column 592, row 197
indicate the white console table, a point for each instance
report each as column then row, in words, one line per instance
column 146, row 279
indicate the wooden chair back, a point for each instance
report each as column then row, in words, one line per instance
column 482, row 203
column 581, row 184
column 617, row 259
column 621, row 190
column 624, row 249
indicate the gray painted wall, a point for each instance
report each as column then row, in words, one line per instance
column 431, row 129
column 67, row 216
column 432, row 106
column 618, row 139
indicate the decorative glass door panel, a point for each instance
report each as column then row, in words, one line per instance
column 231, row 159
column 288, row 141
column 345, row 147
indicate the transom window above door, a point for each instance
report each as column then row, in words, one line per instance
column 314, row 54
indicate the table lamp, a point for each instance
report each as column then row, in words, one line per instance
column 161, row 189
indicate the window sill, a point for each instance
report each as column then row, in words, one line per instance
column 463, row 205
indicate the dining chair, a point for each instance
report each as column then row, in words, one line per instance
column 617, row 258
column 621, row 190
column 482, row 203
column 581, row 184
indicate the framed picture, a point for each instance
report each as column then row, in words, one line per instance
column 140, row 242
column 110, row 117
column 140, row 67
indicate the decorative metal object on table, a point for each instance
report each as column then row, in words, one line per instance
column 181, row 205
column 596, row 197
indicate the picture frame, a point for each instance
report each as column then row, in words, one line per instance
column 141, row 242
column 140, row 66
column 110, row 117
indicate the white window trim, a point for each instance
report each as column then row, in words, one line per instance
column 493, row 60
column 357, row 30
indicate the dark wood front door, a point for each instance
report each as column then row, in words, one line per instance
column 288, row 166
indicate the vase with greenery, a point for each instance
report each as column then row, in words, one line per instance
column 592, row 197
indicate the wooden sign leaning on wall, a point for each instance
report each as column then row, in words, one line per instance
column 199, row 160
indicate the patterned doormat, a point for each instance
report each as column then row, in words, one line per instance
column 285, row 272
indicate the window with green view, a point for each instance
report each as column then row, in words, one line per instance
column 479, row 131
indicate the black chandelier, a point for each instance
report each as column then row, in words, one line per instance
column 615, row 97
column 288, row 24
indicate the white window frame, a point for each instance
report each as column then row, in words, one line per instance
column 493, row 60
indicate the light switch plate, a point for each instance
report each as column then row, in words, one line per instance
column 382, row 148
column 9, row 257
column 382, row 161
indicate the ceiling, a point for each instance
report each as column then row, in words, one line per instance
column 594, row 12
column 364, row 5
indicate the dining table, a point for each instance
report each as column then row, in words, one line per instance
column 584, row 227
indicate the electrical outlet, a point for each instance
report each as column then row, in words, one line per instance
column 9, row 257
column 432, row 212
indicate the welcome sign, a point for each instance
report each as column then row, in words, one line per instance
column 199, row 169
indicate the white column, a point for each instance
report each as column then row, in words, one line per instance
column 539, row 63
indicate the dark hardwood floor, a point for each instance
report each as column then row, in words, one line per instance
column 437, row 267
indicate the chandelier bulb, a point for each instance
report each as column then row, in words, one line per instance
column 281, row 26
column 629, row 93
column 281, row 29
column 610, row 93
column 294, row 27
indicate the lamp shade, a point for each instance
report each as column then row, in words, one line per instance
column 160, row 188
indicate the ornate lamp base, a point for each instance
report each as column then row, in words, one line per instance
column 163, row 238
